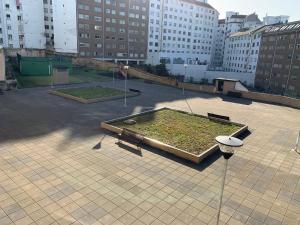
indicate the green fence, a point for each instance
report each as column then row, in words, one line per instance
column 41, row 66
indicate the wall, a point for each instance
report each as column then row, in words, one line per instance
column 246, row 78
column 269, row 98
column 13, row 22
column 25, row 52
column 65, row 33
column 198, row 87
column 199, row 72
column 191, row 70
column 93, row 63
column 33, row 23
column 2, row 65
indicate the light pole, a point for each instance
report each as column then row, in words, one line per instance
column 227, row 145
column 125, row 89
column 297, row 143
column 114, row 82
column 185, row 67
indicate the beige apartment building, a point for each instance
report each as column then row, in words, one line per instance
column 278, row 69
column 114, row 30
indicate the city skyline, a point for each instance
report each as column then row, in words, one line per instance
column 262, row 8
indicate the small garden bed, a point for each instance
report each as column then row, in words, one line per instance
column 187, row 135
column 91, row 94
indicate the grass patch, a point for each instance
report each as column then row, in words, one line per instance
column 187, row 132
column 78, row 75
column 91, row 92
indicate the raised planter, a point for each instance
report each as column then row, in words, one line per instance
column 94, row 100
column 108, row 125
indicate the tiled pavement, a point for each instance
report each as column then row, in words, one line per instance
column 53, row 170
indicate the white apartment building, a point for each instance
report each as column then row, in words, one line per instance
column 241, row 51
column 30, row 24
column 269, row 20
column 234, row 22
column 181, row 31
column 19, row 26
column 48, row 21
column 65, row 26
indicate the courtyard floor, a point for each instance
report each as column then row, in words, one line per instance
column 58, row 167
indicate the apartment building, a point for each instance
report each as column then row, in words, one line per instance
column 218, row 54
column 278, row 69
column 269, row 20
column 65, row 33
column 233, row 23
column 241, row 50
column 113, row 30
column 181, row 31
column 16, row 24
column 48, row 20
column 30, row 24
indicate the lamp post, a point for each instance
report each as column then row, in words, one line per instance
column 114, row 82
column 297, row 143
column 227, row 145
column 125, row 89
column 185, row 67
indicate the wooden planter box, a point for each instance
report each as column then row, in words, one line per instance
column 168, row 148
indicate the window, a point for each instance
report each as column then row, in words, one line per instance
column 83, row 16
column 98, row 27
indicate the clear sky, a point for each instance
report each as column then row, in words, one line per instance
column 261, row 7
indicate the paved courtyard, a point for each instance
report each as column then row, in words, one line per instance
column 58, row 167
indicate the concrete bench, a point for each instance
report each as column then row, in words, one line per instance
column 212, row 115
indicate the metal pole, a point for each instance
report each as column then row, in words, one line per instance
column 183, row 80
column 297, row 143
column 125, row 93
column 222, row 190
column 114, row 77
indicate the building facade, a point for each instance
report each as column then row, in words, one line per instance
column 16, row 24
column 48, row 21
column 242, row 50
column 233, row 23
column 65, row 35
column 113, row 30
column 30, row 24
column 269, row 20
column 181, row 31
column 278, row 69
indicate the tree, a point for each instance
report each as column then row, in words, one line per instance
column 161, row 70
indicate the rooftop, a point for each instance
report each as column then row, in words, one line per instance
column 202, row 4
column 58, row 167
column 293, row 26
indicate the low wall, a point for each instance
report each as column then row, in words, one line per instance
column 93, row 63
column 197, row 87
column 275, row 99
column 191, row 70
column 148, row 76
column 25, row 52
column 198, row 72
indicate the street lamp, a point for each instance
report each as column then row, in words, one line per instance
column 185, row 67
column 227, row 145
column 114, row 82
column 125, row 89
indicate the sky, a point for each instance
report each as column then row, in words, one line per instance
column 260, row 7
